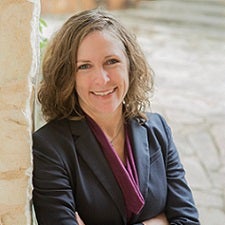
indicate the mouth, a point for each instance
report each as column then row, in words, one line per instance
column 103, row 93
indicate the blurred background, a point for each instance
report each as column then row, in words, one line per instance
column 184, row 42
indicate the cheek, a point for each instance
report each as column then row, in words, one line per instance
column 127, row 78
column 127, row 84
column 127, row 81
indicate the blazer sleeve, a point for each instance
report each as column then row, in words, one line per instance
column 52, row 194
column 180, row 207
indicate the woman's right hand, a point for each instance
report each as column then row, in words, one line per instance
column 158, row 220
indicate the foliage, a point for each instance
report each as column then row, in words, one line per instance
column 43, row 39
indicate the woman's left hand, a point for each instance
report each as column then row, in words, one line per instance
column 79, row 220
column 158, row 220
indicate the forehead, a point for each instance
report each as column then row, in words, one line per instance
column 97, row 41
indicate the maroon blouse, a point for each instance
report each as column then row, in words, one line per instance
column 126, row 175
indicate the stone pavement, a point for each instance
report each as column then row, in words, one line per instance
column 184, row 42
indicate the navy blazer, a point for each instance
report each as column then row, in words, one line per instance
column 71, row 174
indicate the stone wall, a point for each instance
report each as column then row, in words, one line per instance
column 18, row 65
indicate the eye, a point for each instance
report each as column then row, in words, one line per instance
column 84, row 67
column 112, row 61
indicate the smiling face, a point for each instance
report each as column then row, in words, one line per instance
column 102, row 77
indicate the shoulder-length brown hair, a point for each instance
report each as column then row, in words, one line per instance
column 57, row 94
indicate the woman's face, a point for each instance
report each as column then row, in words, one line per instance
column 102, row 78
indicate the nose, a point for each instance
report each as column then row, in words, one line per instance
column 101, row 76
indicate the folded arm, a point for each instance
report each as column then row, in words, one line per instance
column 52, row 195
column 158, row 220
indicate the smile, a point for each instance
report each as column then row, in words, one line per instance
column 103, row 93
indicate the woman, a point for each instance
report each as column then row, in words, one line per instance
column 101, row 159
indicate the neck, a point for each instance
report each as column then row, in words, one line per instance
column 116, row 133
column 111, row 124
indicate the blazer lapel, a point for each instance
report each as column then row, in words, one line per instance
column 89, row 149
column 139, row 140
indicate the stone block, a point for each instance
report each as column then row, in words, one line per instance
column 15, row 44
column 13, row 191
column 18, row 63
column 14, row 217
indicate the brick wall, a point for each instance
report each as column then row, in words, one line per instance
column 18, row 60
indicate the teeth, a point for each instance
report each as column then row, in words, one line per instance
column 103, row 93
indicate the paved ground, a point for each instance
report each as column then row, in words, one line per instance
column 185, row 45
column 184, row 42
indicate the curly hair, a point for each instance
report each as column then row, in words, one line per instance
column 57, row 93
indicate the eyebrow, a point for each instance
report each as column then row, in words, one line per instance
column 83, row 61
